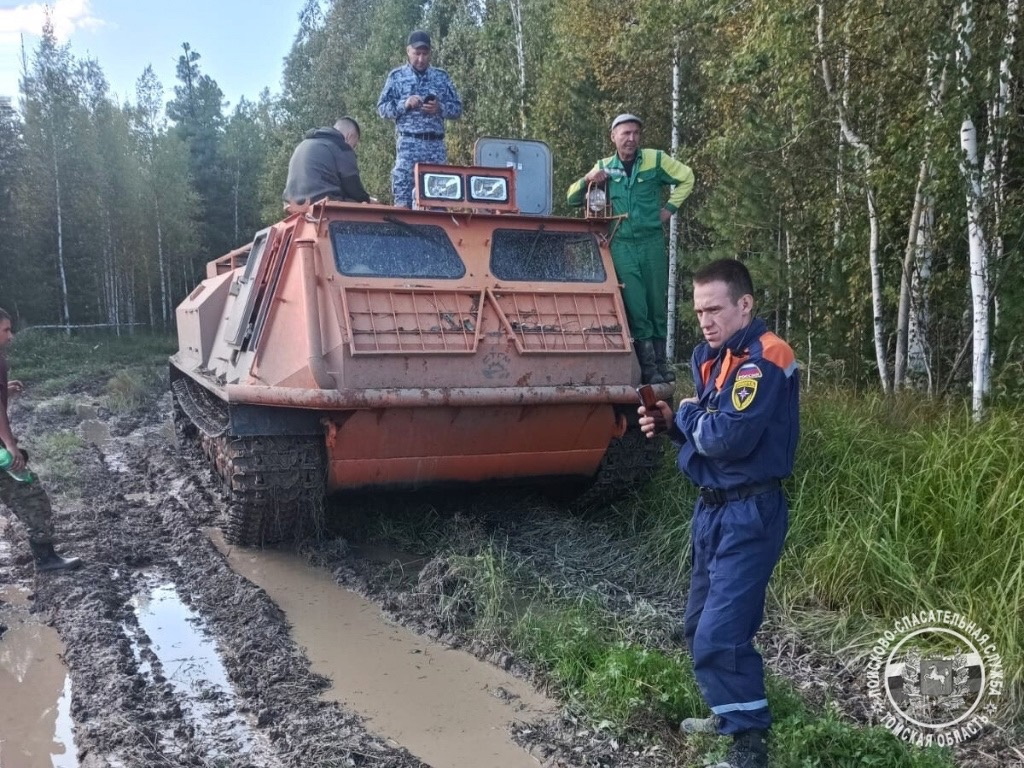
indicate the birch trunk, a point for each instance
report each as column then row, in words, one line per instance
column 238, row 182
column 916, row 279
column 62, row 274
column 516, row 6
column 161, row 265
column 878, row 319
column 996, row 154
column 900, row 363
column 789, row 285
column 868, row 161
column 673, row 223
column 977, row 244
column 918, row 366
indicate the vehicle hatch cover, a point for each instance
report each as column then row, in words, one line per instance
column 532, row 162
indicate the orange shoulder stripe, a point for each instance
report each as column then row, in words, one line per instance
column 777, row 351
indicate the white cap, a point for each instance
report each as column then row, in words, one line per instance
column 625, row 117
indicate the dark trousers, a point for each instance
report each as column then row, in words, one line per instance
column 31, row 505
column 735, row 548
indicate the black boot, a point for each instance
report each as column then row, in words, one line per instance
column 748, row 750
column 648, row 367
column 48, row 560
column 661, row 360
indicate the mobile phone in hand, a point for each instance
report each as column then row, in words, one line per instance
column 430, row 99
column 648, row 399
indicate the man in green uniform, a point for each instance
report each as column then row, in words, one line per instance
column 633, row 179
column 26, row 499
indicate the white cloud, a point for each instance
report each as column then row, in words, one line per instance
column 67, row 16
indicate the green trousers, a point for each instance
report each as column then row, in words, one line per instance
column 31, row 505
column 641, row 265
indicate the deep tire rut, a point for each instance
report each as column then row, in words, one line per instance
column 144, row 522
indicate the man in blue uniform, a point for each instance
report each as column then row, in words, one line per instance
column 737, row 440
column 419, row 98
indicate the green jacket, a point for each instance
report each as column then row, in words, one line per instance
column 639, row 196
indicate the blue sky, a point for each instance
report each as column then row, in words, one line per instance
column 242, row 42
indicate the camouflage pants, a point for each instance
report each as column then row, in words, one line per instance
column 410, row 151
column 31, row 505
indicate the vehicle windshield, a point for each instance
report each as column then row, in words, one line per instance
column 536, row 255
column 394, row 248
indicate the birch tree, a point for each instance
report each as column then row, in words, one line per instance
column 867, row 156
column 912, row 312
column 50, row 104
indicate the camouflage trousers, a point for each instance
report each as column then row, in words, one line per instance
column 31, row 505
column 410, row 151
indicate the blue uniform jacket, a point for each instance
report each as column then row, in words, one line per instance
column 745, row 427
column 403, row 82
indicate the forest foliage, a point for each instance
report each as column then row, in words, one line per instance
column 825, row 137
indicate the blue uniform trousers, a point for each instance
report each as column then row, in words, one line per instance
column 735, row 548
column 408, row 152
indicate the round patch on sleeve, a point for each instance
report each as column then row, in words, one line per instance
column 743, row 393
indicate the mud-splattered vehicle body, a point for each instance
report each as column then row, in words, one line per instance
column 364, row 346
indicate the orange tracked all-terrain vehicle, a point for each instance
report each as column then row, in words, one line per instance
column 363, row 346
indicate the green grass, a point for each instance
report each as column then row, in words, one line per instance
column 624, row 687
column 52, row 363
column 899, row 506
column 56, row 454
column 128, row 390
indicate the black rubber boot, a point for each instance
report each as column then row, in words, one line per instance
column 648, row 366
column 48, row 560
column 748, row 750
column 661, row 360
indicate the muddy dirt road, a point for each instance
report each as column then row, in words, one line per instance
column 171, row 648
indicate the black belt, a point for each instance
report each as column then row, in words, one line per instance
column 718, row 496
column 429, row 136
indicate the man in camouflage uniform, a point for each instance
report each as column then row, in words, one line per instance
column 419, row 98
column 27, row 500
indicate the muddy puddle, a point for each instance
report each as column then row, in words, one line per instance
column 97, row 433
column 171, row 645
column 36, row 729
column 445, row 706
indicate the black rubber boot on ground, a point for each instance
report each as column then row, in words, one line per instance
column 661, row 360
column 48, row 560
column 748, row 750
column 648, row 365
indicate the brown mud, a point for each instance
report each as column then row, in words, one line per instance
column 171, row 649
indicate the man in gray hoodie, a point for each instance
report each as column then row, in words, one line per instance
column 324, row 165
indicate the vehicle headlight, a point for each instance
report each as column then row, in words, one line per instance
column 442, row 186
column 490, row 189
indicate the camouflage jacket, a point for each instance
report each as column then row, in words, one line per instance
column 405, row 81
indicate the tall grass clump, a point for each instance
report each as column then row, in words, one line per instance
column 127, row 389
column 900, row 506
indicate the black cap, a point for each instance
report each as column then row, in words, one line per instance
column 419, row 39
